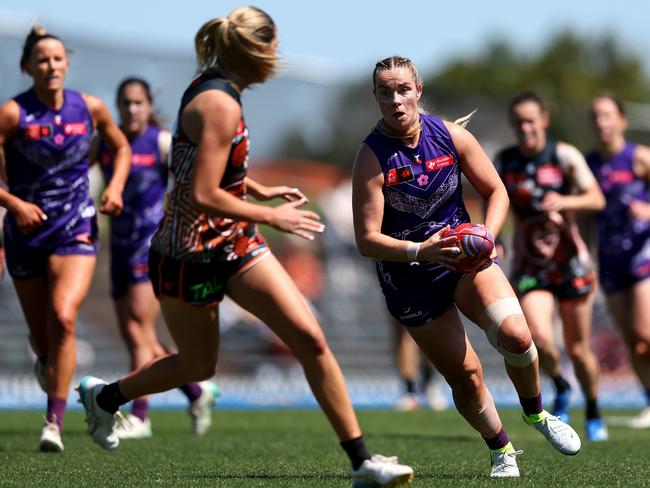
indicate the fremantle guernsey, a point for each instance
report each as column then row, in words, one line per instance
column 144, row 191
column 422, row 194
column 47, row 165
column 623, row 241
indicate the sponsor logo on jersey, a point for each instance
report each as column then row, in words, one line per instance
column 75, row 129
column 398, row 175
column 620, row 176
column 438, row 163
column 139, row 159
column 34, row 132
column 549, row 175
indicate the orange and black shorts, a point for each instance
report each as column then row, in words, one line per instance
column 200, row 284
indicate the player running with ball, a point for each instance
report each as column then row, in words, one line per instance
column 406, row 196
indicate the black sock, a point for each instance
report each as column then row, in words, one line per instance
column 410, row 386
column 592, row 409
column 110, row 398
column 426, row 374
column 356, row 450
column 561, row 385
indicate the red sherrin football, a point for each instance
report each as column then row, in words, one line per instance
column 475, row 241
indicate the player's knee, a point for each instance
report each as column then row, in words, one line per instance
column 205, row 371
column 198, row 366
column 577, row 352
column 514, row 342
column 65, row 317
column 309, row 344
column 467, row 382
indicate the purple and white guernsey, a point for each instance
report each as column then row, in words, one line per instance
column 623, row 241
column 47, row 164
column 422, row 194
column 144, row 190
column 143, row 199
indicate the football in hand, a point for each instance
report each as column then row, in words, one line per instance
column 475, row 243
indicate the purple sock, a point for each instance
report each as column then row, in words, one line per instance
column 498, row 441
column 55, row 410
column 139, row 408
column 192, row 391
column 532, row 405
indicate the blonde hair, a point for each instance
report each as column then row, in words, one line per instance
column 239, row 45
column 395, row 62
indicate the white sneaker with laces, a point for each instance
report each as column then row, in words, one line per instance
column 504, row 463
column 201, row 409
column 101, row 424
column 561, row 435
column 641, row 421
column 134, row 428
column 50, row 438
column 381, row 472
column 40, row 371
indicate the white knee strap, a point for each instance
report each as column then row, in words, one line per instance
column 498, row 311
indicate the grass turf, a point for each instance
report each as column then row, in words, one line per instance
column 296, row 448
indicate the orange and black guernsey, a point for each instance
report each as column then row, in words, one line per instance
column 185, row 232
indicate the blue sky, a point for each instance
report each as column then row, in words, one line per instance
column 337, row 38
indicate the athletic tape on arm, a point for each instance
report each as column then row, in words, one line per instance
column 498, row 311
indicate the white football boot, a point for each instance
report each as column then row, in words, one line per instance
column 101, row 424
column 504, row 462
column 134, row 428
column 381, row 472
column 561, row 436
column 50, row 438
column 201, row 409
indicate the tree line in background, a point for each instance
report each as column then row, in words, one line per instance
column 566, row 73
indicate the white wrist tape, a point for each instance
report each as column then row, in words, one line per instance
column 412, row 250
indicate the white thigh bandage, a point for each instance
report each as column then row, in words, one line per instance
column 498, row 311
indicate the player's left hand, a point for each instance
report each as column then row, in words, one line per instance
column 111, row 202
column 553, row 202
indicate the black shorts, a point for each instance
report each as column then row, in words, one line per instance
column 200, row 284
column 573, row 279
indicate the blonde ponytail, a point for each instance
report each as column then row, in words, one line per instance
column 463, row 121
column 241, row 45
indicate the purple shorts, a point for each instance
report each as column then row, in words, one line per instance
column 621, row 271
column 129, row 266
column 25, row 262
column 417, row 295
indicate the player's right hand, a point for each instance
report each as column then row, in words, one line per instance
column 439, row 249
column 27, row 215
column 289, row 218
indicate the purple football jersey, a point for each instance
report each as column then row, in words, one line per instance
column 144, row 191
column 618, row 231
column 47, row 165
column 422, row 194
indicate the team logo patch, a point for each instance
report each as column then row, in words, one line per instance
column 438, row 163
column 34, row 132
column 398, row 175
column 549, row 175
column 75, row 129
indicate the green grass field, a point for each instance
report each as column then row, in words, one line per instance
column 296, row 448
